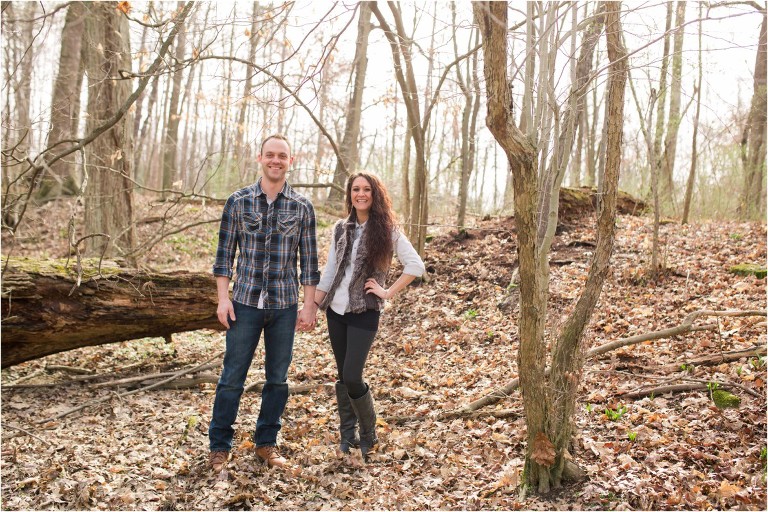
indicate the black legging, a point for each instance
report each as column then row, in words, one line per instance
column 351, row 336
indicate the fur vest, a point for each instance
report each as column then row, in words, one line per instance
column 343, row 240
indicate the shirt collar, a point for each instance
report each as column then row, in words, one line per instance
column 287, row 190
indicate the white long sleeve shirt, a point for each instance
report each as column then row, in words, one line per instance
column 406, row 254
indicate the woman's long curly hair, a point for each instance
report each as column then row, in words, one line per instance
column 381, row 222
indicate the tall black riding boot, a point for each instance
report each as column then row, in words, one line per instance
column 366, row 415
column 347, row 419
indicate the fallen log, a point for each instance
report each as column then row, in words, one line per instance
column 50, row 306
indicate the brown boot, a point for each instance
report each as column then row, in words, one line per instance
column 218, row 460
column 271, row 456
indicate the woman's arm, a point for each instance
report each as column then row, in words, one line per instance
column 413, row 267
column 371, row 286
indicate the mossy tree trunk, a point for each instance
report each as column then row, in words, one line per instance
column 44, row 311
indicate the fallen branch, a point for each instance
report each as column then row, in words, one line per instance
column 724, row 357
column 27, row 432
column 699, row 384
column 70, row 369
column 146, row 378
column 686, row 327
column 127, row 393
column 26, row 378
column 675, row 388
column 499, row 414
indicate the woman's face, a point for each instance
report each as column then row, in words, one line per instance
column 361, row 194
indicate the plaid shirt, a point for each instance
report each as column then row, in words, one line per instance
column 268, row 236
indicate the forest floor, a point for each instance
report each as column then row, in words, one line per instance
column 441, row 345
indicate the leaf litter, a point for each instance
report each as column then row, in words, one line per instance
column 441, row 345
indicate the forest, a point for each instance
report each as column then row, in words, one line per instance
column 585, row 182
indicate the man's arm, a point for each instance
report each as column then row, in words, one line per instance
column 225, row 258
column 225, row 310
column 308, row 315
column 310, row 275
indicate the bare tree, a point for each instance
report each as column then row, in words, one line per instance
column 66, row 103
column 171, row 139
column 673, row 122
column 107, row 185
column 417, row 123
column 753, row 140
column 694, row 148
column 470, row 89
column 349, row 150
column 549, row 405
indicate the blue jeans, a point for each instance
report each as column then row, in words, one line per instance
column 279, row 326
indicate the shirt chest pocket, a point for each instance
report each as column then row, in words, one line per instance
column 288, row 224
column 253, row 223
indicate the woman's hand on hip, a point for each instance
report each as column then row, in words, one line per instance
column 371, row 286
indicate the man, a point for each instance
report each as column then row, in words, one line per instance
column 270, row 223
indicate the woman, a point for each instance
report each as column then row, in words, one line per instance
column 351, row 292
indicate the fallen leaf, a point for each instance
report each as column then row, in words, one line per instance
column 543, row 450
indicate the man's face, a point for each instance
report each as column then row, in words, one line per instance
column 275, row 159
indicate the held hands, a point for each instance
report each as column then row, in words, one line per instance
column 307, row 318
column 225, row 311
column 371, row 286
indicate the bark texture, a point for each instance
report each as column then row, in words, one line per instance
column 349, row 145
column 65, row 103
column 108, row 166
column 521, row 154
column 45, row 312
column 568, row 352
column 753, row 144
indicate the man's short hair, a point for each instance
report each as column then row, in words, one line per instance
column 278, row 136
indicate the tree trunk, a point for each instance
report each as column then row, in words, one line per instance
column 567, row 359
column 553, row 179
column 657, row 161
column 143, row 156
column 65, row 103
column 241, row 151
column 753, row 143
column 468, row 124
column 401, row 54
column 45, row 311
column 171, row 142
column 694, row 149
column 548, row 416
column 521, row 154
column 673, row 124
column 349, row 145
column 107, row 184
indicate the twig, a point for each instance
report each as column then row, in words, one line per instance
column 145, row 378
column 70, row 369
column 702, row 384
column 26, row 378
column 723, row 357
column 127, row 393
column 7, row 425
column 499, row 413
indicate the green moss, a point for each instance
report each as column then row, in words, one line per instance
column 749, row 269
column 64, row 267
column 725, row 400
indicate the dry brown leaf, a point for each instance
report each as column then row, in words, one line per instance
column 727, row 489
column 543, row 450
